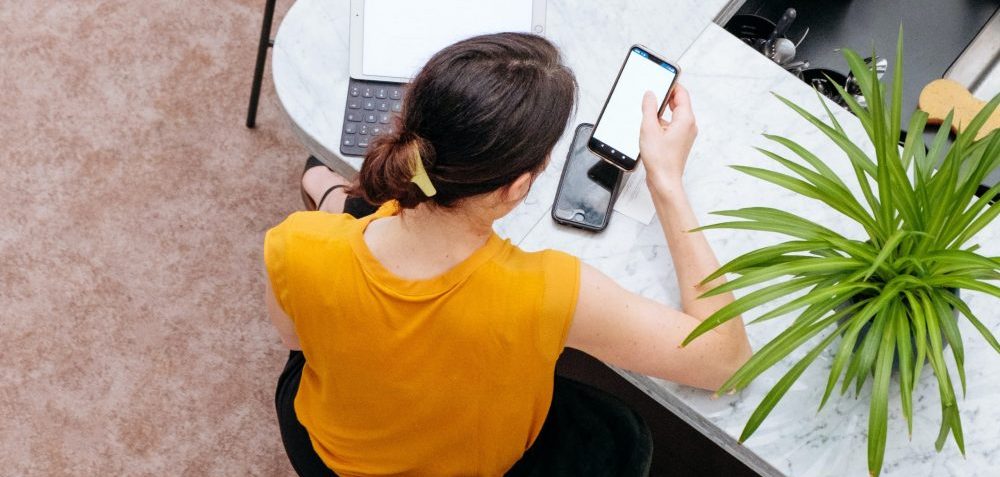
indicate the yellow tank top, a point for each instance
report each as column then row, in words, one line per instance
column 447, row 376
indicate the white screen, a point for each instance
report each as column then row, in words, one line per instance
column 619, row 124
column 401, row 35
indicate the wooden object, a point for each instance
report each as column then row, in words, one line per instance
column 943, row 95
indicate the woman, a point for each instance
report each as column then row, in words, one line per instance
column 428, row 344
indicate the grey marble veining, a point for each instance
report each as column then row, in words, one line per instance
column 310, row 69
column 730, row 87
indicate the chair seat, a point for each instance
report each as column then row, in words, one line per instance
column 587, row 432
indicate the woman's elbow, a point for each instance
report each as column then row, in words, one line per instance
column 736, row 354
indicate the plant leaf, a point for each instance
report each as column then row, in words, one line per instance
column 905, row 352
column 783, row 384
column 800, row 267
column 762, row 256
column 750, row 301
column 962, row 307
column 879, row 411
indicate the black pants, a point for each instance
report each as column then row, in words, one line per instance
column 587, row 432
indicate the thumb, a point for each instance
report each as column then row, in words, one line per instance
column 650, row 119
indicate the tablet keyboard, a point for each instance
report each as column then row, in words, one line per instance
column 368, row 113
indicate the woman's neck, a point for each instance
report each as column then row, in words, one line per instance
column 463, row 225
column 425, row 242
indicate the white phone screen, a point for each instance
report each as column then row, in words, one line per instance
column 619, row 124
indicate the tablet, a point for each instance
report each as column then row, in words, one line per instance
column 392, row 39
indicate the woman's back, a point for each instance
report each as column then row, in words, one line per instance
column 450, row 375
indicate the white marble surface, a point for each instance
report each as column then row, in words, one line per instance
column 730, row 88
column 310, row 68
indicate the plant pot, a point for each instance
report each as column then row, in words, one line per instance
column 867, row 326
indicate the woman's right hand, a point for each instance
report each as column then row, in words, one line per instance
column 664, row 145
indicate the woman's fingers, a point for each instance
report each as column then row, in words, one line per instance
column 649, row 112
column 680, row 105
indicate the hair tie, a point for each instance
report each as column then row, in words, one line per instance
column 420, row 177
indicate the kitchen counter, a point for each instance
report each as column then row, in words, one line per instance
column 730, row 87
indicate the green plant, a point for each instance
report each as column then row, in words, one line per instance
column 897, row 279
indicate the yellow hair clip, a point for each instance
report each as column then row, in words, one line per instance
column 420, row 177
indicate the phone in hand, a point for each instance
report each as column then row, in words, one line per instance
column 587, row 187
column 616, row 134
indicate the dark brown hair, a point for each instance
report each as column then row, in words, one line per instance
column 481, row 113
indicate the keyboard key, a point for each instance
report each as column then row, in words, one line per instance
column 367, row 91
column 369, row 104
column 397, row 107
column 370, row 118
column 376, row 130
column 350, row 128
column 353, row 117
column 383, row 118
column 349, row 140
column 395, row 93
column 381, row 93
column 364, row 129
column 355, row 91
column 363, row 141
column 383, row 105
column 353, row 103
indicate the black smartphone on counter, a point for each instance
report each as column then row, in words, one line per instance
column 616, row 136
column 588, row 186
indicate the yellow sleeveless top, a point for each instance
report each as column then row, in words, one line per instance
column 444, row 377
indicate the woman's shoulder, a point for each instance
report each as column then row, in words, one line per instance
column 309, row 227
column 314, row 222
column 547, row 260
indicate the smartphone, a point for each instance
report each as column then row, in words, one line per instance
column 588, row 186
column 616, row 136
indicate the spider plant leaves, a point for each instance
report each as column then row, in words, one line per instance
column 854, row 153
column 972, row 129
column 887, row 250
column 949, row 406
column 767, row 219
column 763, row 256
column 801, row 267
column 879, row 412
column 834, row 194
column 888, row 296
column 783, row 384
column 963, row 308
column 842, row 291
column 949, row 326
column 750, row 301
column 809, row 157
column 914, row 134
column 949, row 261
column 847, row 344
column 783, row 344
column 864, row 357
column 895, row 115
column 904, row 345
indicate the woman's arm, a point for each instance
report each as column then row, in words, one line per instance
column 633, row 332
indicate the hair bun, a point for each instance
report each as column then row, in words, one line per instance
column 387, row 171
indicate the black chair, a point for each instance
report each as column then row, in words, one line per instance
column 258, row 72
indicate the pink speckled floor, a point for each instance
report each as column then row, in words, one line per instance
column 133, row 339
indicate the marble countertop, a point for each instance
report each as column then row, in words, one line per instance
column 730, row 87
